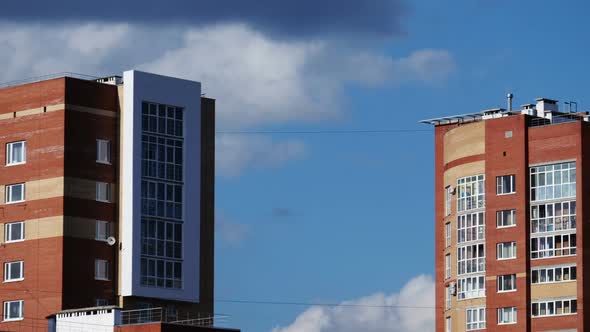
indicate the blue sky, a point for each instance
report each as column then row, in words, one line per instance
column 330, row 217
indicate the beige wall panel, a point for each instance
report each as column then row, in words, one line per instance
column 80, row 188
column 79, row 227
column 554, row 290
column 464, row 141
column 452, row 174
column 459, row 320
column 43, row 228
column 45, row 188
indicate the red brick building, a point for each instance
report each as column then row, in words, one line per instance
column 509, row 219
column 106, row 196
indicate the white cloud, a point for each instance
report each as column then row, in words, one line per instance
column 257, row 80
column 235, row 153
column 410, row 310
column 230, row 232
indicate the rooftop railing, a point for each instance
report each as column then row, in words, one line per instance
column 159, row 315
column 555, row 119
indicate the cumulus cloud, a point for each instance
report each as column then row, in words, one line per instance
column 237, row 153
column 257, row 79
column 410, row 310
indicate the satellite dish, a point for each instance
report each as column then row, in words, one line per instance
column 111, row 241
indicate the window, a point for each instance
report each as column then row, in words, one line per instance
column 448, row 194
column 101, row 302
column 14, row 232
column 471, row 259
column 103, row 192
column 505, row 184
column 102, row 230
column 448, row 296
column 553, row 245
column 447, row 266
column 448, row 324
column 471, row 193
column 508, row 134
column 447, row 234
column 470, row 227
column 471, row 287
column 558, row 307
column 553, row 181
column 16, row 153
column 14, row 271
column 507, row 283
column 476, row 318
column 507, row 315
column 506, row 218
column 553, row 217
column 13, row 310
column 103, row 151
column 545, row 275
column 101, row 269
column 506, row 250
column 15, row 193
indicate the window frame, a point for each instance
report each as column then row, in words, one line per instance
column 10, row 150
column 540, row 186
column 6, row 310
column 551, row 252
column 501, row 218
column 477, row 260
column 8, row 270
column 471, row 287
column 448, row 195
column 480, row 324
column 471, row 193
column 8, row 193
column 107, row 191
column 546, row 271
column 501, row 283
column 500, row 185
column 8, row 232
column 512, row 250
column 448, row 232
column 512, row 313
column 97, row 230
column 448, row 324
column 100, row 145
column 551, row 221
column 97, row 268
column 572, row 304
column 447, row 266
column 471, row 227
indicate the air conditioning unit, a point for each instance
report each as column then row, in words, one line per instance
column 453, row 287
column 453, row 190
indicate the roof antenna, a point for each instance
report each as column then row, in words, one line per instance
column 510, row 96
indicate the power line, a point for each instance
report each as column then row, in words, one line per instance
column 321, row 132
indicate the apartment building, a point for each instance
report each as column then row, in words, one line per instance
column 107, row 194
column 510, row 198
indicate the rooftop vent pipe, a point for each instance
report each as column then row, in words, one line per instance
column 509, row 96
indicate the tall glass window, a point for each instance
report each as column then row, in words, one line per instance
column 162, row 200
column 471, row 193
column 553, row 181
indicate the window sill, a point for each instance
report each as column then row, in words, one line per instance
column 506, row 259
column 13, row 319
column 500, row 227
column 504, row 194
column 14, row 241
column 101, row 279
column 512, row 323
column 16, row 164
column 14, row 280
column 15, row 202
column 103, row 201
column 553, row 282
column 507, row 291
column 104, row 162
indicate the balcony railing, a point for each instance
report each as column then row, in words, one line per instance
column 158, row 315
column 537, row 122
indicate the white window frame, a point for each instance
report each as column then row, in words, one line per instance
column 448, row 296
column 471, row 192
column 103, row 187
column 552, row 304
column 8, row 266
column 102, row 156
column 506, row 218
column 554, row 181
column 448, row 235
column 501, row 248
column 8, row 190
column 471, row 259
column 471, row 227
column 102, row 230
column 8, row 232
column 507, row 316
column 506, row 283
column 6, row 313
column 101, row 265
column 448, row 323
column 505, row 184
column 447, row 266
column 448, row 195
column 471, row 287
column 549, row 274
column 550, row 249
column 550, row 217
column 10, row 153
column 475, row 318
